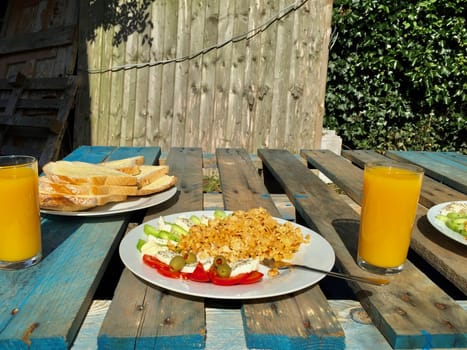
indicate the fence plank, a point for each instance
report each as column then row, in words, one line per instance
column 153, row 132
column 194, row 75
column 233, row 132
column 116, row 96
column 142, row 91
column 222, row 66
column 217, row 74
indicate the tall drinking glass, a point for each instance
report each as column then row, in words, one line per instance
column 20, row 228
column 390, row 195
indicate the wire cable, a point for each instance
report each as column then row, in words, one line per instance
column 244, row 36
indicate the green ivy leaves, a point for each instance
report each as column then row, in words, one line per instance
column 397, row 75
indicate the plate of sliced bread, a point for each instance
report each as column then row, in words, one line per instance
column 75, row 188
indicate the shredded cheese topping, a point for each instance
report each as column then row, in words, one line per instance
column 252, row 234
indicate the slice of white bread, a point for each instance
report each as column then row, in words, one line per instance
column 150, row 173
column 72, row 186
column 81, row 173
column 67, row 202
column 161, row 184
column 127, row 165
column 46, row 185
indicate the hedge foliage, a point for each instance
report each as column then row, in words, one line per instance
column 397, row 75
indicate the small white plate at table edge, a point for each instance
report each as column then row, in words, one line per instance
column 317, row 253
column 131, row 204
column 440, row 226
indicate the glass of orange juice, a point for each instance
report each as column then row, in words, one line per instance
column 390, row 196
column 20, row 227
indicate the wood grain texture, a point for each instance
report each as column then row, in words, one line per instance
column 225, row 327
column 219, row 91
column 400, row 310
column 449, row 170
column 153, row 132
column 304, row 321
column 433, row 192
column 242, row 187
column 39, row 39
column 219, row 74
column 186, row 163
column 130, row 78
column 154, row 318
column 181, row 115
column 34, row 115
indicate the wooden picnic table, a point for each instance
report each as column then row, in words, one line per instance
column 44, row 307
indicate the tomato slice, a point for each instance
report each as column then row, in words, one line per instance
column 162, row 268
column 167, row 272
column 253, row 277
column 242, row 278
column 199, row 274
column 228, row 281
column 152, row 261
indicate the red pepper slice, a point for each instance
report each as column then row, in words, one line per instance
column 253, row 277
column 162, row 268
column 199, row 274
column 228, row 281
column 152, row 261
column 242, row 278
column 167, row 272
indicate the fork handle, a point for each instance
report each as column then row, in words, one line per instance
column 372, row 280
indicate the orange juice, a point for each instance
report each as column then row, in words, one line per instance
column 20, row 236
column 390, row 197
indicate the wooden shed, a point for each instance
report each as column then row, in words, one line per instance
column 161, row 72
column 38, row 83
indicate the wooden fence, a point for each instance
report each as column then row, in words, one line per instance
column 223, row 73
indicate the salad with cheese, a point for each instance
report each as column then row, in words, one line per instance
column 223, row 249
column 454, row 216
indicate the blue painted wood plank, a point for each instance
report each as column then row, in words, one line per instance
column 152, row 317
column 457, row 157
column 151, row 154
column 57, row 292
column 97, row 154
column 438, row 166
column 432, row 160
column 42, row 307
column 91, row 154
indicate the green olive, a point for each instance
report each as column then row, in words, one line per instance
column 190, row 258
column 177, row 263
column 224, row 270
column 219, row 260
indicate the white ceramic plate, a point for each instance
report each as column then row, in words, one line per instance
column 317, row 253
column 131, row 204
column 440, row 226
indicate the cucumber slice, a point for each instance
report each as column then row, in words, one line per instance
column 140, row 243
column 219, row 214
column 194, row 219
column 178, row 230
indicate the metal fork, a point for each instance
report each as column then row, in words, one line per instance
column 281, row 265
